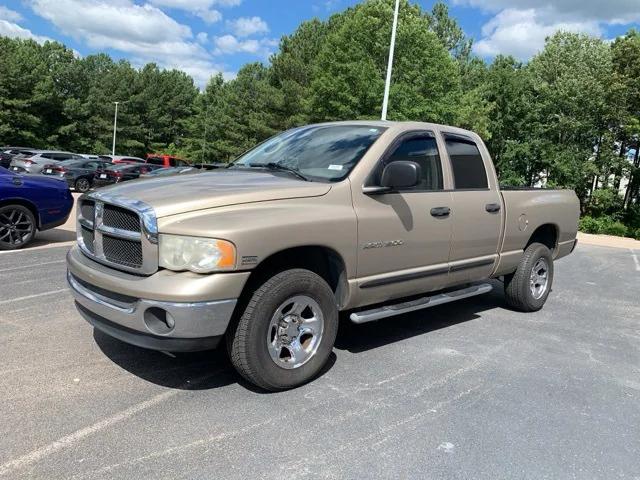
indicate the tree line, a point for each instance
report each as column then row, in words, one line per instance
column 569, row 117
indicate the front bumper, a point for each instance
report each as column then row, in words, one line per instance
column 166, row 311
column 150, row 323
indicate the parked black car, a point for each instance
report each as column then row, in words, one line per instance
column 7, row 153
column 79, row 174
column 121, row 173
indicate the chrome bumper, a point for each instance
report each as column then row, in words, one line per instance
column 153, row 324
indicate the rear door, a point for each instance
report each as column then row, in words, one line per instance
column 403, row 249
column 131, row 173
column 476, row 209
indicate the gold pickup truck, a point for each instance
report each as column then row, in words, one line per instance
column 371, row 218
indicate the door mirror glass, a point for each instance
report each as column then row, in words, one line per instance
column 401, row 174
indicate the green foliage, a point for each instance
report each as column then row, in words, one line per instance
column 351, row 65
column 604, row 225
column 606, row 201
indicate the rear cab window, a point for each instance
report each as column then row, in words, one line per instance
column 467, row 164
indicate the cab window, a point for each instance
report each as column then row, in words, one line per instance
column 466, row 163
column 423, row 150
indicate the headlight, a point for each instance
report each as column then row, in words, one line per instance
column 198, row 254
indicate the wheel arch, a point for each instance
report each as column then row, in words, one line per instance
column 324, row 261
column 546, row 234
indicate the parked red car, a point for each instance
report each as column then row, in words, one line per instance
column 118, row 159
column 166, row 160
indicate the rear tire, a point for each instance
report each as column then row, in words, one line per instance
column 17, row 227
column 529, row 286
column 286, row 333
column 82, row 185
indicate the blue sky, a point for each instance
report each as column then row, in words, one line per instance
column 207, row 36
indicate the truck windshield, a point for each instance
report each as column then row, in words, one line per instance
column 318, row 152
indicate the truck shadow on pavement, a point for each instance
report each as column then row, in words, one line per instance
column 367, row 336
column 185, row 371
column 212, row 369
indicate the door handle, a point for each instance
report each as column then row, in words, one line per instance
column 440, row 212
column 492, row 207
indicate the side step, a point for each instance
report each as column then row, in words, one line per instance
column 418, row 304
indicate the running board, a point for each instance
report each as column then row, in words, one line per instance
column 418, row 304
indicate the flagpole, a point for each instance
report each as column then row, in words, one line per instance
column 387, row 83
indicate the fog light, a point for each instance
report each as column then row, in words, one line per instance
column 158, row 321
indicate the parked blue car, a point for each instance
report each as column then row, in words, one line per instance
column 28, row 204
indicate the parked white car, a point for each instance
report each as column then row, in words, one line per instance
column 35, row 162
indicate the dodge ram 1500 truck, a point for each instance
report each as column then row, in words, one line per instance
column 373, row 218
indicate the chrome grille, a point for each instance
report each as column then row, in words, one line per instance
column 119, row 232
column 117, row 217
column 123, row 252
column 87, row 209
column 88, row 238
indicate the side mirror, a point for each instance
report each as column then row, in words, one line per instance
column 400, row 174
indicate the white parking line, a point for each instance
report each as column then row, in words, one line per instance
column 72, row 438
column 33, row 296
column 68, row 243
column 42, row 452
column 635, row 259
column 30, row 266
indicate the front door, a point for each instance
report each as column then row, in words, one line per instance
column 404, row 236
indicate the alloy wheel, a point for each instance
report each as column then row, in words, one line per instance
column 295, row 331
column 15, row 227
column 539, row 278
column 83, row 185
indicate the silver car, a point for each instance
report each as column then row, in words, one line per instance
column 35, row 162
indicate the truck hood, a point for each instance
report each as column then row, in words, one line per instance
column 181, row 194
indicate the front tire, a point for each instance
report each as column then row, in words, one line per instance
column 286, row 332
column 529, row 286
column 17, row 227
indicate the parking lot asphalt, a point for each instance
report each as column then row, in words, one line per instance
column 466, row 390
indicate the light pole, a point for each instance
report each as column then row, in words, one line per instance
column 387, row 83
column 204, row 138
column 115, row 124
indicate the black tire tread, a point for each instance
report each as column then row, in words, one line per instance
column 237, row 340
column 516, row 285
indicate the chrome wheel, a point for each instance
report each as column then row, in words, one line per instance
column 539, row 278
column 295, row 332
column 15, row 227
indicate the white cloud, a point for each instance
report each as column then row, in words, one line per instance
column 522, row 33
column 520, row 27
column 12, row 30
column 101, row 22
column 202, row 8
column 228, row 44
column 210, row 16
column 609, row 11
column 247, row 26
column 9, row 15
column 202, row 37
column 144, row 32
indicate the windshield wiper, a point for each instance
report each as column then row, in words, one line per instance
column 279, row 166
